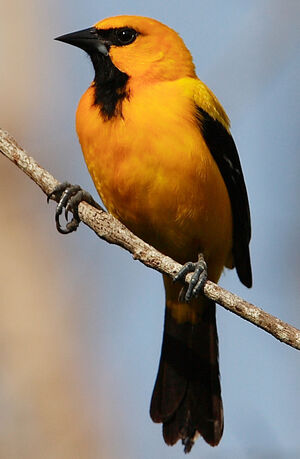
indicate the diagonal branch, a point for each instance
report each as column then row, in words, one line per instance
column 111, row 230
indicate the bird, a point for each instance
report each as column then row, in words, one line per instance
column 158, row 146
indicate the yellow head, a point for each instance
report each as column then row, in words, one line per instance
column 141, row 47
column 156, row 52
column 127, row 52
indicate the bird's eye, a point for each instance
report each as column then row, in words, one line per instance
column 125, row 36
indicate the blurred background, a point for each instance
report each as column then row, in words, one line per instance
column 79, row 351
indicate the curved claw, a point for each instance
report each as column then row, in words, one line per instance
column 70, row 226
column 67, row 192
column 69, row 197
column 197, row 281
column 67, row 212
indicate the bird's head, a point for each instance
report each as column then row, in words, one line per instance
column 142, row 48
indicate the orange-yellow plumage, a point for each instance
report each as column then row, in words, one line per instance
column 152, row 167
column 158, row 53
column 157, row 144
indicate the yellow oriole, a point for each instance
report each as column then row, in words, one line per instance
column 157, row 144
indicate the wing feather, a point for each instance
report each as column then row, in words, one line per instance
column 224, row 152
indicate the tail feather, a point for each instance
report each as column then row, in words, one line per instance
column 187, row 392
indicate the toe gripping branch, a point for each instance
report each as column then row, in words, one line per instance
column 197, row 282
column 69, row 197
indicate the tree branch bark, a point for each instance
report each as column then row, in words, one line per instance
column 111, row 230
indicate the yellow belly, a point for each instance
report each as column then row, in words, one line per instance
column 155, row 173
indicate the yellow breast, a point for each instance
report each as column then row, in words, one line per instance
column 155, row 173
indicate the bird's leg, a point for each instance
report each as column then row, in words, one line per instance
column 69, row 197
column 197, row 281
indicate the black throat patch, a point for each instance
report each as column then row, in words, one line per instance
column 110, row 86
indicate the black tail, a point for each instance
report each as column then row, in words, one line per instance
column 187, row 392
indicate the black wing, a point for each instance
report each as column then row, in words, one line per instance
column 224, row 152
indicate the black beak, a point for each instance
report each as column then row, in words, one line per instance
column 87, row 39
